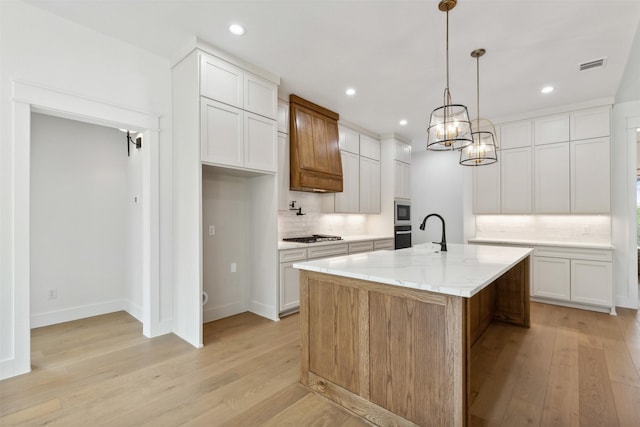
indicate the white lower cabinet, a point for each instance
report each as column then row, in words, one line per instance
column 580, row 276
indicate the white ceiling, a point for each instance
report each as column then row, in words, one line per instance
column 393, row 52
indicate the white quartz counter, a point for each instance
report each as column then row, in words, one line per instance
column 580, row 245
column 345, row 239
column 463, row 270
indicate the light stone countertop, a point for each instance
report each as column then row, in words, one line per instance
column 345, row 239
column 463, row 270
column 580, row 245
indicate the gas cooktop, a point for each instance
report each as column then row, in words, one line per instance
column 313, row 238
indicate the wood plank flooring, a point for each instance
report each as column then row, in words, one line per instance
column 572, row 368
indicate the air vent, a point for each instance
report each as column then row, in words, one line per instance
column 592, row 65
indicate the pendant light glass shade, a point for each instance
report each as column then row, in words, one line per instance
column 449, row 126
column 484, row 149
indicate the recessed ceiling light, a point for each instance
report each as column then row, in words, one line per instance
column 547, row 89
column 403, row 122
column 237, row 29
column 351, row 91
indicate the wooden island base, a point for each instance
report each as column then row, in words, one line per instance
column 395, row 355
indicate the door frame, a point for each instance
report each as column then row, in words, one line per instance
column 28, row 98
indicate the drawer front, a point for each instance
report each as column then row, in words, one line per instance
column 327, row 251
column 573, row 253
column 360, row 247
column 379, row 245
column 290, row 255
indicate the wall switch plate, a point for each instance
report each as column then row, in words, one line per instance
column 53, row 294
column 234, row 267
column 212, row 230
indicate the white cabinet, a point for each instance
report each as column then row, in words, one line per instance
column 233, row 137
column 591, row 123
column 551, row 129
column 283, row 116
column 348, row 140
column 401, row 180
column 369, row 147
column 222, row 133
column 591, row 282
column 360, row 247
column 486, row 189
column 283, row 171
column 551, row 174
column 401, row 152
column 590, row 176
column 229, row 84
column 349, row 200
column 515, row 174
column 573, row 275
column 383, row 245
column 369, row 186
column 552, row 278
column 515, row 135
column 290, row 278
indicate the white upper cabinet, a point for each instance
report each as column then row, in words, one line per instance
column 369, row 147
column 260, row 152
column 516, row 176
column 348, row 200
column 551, row 184
column 590, row 176
column 515, row 135
column 401, row 152
column 369, row 186
column 591, row 123
column 550, row 129
column 222, row 133
column 348, row 140
column 229, row 84
column 486, row 189
column 283, row 116
column 283, row 171
column 401, row 180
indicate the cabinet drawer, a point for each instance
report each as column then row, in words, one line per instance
column 327, row 251
column 380, row 245
column 290, row 255
column 360, row 247
column 573, row 253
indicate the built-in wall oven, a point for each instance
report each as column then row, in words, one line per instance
column 402, row 223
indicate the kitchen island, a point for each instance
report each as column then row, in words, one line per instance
column 388, row 335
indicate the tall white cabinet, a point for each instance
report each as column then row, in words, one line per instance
column 224, row 130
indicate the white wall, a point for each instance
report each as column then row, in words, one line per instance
column 437, row 186
column 43, row 49
column 83, row 242
column 134, row 226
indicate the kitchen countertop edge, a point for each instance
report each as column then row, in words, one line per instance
column 578, row 245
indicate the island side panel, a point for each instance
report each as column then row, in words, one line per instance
column 512, row 290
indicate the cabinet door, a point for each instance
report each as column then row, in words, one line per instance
column 289, row 287
column 401, row 180
column 221, row 81
column 369, row 147
column 551, row 129
column 551, row 278
column 515, row 181
column 515, row 135
column 283, row 172
column 260, row 96
column 283, row 117
column 260, row 151
column 349, row 200
column 486, row 189
column 222, row 133
column 401, row 151
column 591, row 123
column 369, row 185
column 592, row 282
column 349, row 140
column 590, row 176
column 551, row 176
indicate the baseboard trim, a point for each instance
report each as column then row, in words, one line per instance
column 74, row 313
column 264, row 310
column 9, row 369
column 222, row 311
column 133, row 309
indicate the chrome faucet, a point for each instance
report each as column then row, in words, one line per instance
column 443, row 243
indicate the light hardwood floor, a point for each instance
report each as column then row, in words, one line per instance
column 572, row 368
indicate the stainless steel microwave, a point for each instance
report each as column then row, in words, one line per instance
column 402, row 212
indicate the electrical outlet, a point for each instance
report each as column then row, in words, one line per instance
column 212, row 230
column 53, row 294
column 234, row 267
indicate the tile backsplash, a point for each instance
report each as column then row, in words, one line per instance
column 554, row 228
column 292, row 225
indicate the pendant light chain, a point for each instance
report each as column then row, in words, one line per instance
column 478, row 92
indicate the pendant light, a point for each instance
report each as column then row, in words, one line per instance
column 483, row 150
column 449, row 126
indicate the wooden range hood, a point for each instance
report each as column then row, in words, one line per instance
column 315, row 159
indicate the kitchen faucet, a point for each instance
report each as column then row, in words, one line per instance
column 443, row 243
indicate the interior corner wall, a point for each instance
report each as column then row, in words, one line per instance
column 80, row 243
column 437, row 186
column 46, row 50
